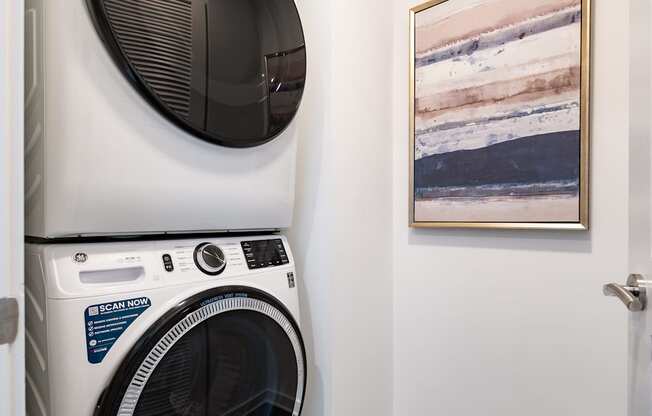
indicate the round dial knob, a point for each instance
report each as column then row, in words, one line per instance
column 210, row 259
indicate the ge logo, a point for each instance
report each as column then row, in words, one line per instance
column 80, row 258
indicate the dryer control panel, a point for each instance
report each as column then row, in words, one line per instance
column 264, row 253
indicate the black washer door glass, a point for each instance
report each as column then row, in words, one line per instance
column 239, row 363
column 232, row 72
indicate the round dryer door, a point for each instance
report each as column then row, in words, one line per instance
column 229, row 72
column 228, row 352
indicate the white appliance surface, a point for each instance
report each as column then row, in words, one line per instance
column 101, row 161
column 64, row 281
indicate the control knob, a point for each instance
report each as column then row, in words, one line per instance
column 210, row 259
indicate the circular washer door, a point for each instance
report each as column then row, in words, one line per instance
column 229, row 72
column 232, row 351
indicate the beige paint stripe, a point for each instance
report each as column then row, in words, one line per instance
column 433, row 81
column 434, row 34
column 550, row 83
column 481, row 110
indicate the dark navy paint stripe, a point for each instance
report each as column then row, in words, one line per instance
column 529, row 160
column 515, row 190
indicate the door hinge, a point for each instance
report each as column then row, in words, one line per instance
column 8, row 320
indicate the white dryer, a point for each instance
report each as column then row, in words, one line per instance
column 178, row 327
column 137, row 111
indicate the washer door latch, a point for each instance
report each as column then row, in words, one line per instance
column 291, row 282
column 8, row 320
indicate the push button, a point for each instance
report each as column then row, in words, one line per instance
column 167, row 263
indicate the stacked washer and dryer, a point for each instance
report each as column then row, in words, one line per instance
column 160, row 155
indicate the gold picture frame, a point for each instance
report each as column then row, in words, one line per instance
column 582, row 184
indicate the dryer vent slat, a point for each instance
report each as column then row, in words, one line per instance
column 156, row 37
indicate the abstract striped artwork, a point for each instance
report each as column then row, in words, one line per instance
column 497, row 112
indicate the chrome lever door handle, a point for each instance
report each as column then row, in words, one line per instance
column 625, row 294
column 632, row 295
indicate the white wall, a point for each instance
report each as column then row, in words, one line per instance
column 309, row 235
column 640, row 207
column 342, row 230
column 484, row 322
column 513, row 323
column 12, row 371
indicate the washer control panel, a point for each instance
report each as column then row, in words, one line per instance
column 264, row 253
column 104, row 269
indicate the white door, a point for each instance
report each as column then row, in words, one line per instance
column 635, row 292
column 12, row 367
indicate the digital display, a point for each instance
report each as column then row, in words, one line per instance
column 264, row 253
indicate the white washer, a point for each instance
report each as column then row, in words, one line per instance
column 137, row 111
column 178, row 327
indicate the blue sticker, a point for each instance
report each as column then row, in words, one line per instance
column 107, row 321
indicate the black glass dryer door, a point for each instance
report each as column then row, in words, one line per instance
column 231, row 72
column 231, row 354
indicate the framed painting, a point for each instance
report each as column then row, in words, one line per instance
column 499, row 114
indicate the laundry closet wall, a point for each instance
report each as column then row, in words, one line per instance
column 342, row 230
column 512, row 323
column 506, row 322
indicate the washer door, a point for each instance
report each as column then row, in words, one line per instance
column 229, row 72
column 228, row 352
